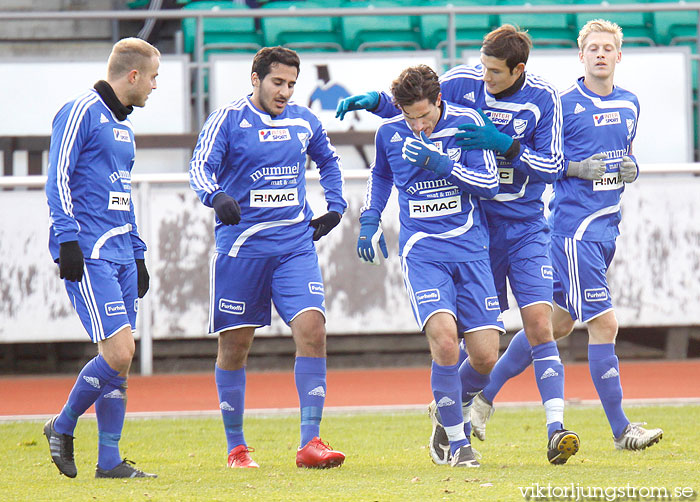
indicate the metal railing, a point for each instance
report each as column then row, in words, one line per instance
column 199, row 64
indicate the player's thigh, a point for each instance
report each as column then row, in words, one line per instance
column 99, row 300
column 582, row 266
column 430, row 287
column 297, row 286
column 239, row 292
column 478, row 307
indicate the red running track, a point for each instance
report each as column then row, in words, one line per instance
column 370, row 387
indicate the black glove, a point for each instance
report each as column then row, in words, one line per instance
column 227, row 209
column 70, row 261
column 324, row 224
column 143, row 279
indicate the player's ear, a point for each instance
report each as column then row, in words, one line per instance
column 254, row 79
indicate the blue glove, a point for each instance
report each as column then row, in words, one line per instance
column 366, row 101
column 370, row 235
column 485, row 137
column 423, row 153
column 628, row 169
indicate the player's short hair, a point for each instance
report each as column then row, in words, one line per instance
column 509, row 43
column 600, row 26
column 129, row 54
column 414, row 84
column 267, row 56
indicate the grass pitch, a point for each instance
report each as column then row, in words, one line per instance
column 387, row 459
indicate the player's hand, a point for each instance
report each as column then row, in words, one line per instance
column 324, row 224
column 70, row 261
column 423, row 153
column 629, row 170
column 227, row 209
column 486, row 137
column 592, row 168
column 371, row 236
column 143, row 279
column 366, row 101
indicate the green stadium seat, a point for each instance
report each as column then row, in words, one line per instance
column 552, row 29
column 222, row 34
column 637, row 27
column 674, row 27
column 469, row 28
column 371, row 32
column 302, row 33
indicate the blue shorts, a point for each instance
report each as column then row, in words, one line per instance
column 519, row 251
column 464, row 290
column 580, row 283
column 106, row 300
column 242, row 289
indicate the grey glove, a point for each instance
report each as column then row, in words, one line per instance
column 592, row 168
column 628, row 169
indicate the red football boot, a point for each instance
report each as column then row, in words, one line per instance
column 318, row 454
column 239, row 457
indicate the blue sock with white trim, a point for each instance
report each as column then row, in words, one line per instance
column 605, row 372
column 549, row 375
column 310, row 379
column 110, row 408
column 515, row 360
column 230, row 385
column 87, row 388
column 447, row 391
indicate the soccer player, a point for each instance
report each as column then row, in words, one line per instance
column 522, row 125
column 97, row 247
column 599, row 126
column 443, row 242
column 249, row 166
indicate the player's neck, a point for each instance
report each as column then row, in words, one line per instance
column 602, row 87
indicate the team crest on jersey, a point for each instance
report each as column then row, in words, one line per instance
column 304, row 140
column 500, row 118
column 435, row 207
column 630, row 125
column 604, row 119
column 265, row 135
column 454, row 153
column 427, row 295
column 519, row 125
column 119, row 201
column 231, row 307
column 121, row 135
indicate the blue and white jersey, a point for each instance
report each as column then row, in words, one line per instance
column 260, row 161
column 533, row 116
column 441, row 218
column 585, row 209
column 89, row 182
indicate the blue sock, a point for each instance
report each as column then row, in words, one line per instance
column 605, row 372
column 515, row 360
column 444, row 381
column 230, row 385
column 472, row 382
column 87, row 388
column 110, row 408
column 549, row 375
column 310, row 379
